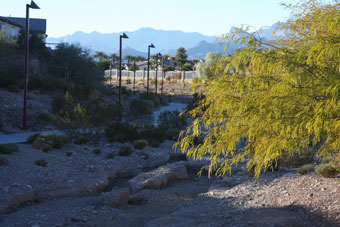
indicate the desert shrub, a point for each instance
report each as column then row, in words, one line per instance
column 154, row 98
column 48, row 141
column 298, row 159
column 79, row 140
column 32, row 138
column 8, row 148
column 326, row 169
column 140, row 144
column 121, row 132
column 172, row 134
column 1, row 125
column 305, row 169
column 58, row 102
column 327, row 159
column 41, row 162
column 150, row 133
column 154, row 143
column 69, row 153
column 126, row 91
column 173, row 119
column 44, row 117
column 81, row 92
column 140, row 107
column 97, row 151
column 47, row 83
column 102, row 114
column 3, row 161
column 110, row 155
column 13, row 88
column 125, row 151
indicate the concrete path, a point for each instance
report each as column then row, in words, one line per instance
column 21, row 137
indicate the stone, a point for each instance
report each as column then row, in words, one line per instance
column 116, row 197
column 159, row 177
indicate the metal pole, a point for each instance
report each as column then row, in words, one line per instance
column 134, row 76
column 156, row 74
column 120, row 71
column 162, row 75
column 147, row 79
column 110, row 73
column 26, row 65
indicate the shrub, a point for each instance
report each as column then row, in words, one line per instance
column 172, row 134
column 110, row 155
column 47, row 83
column 298, row 159
column 306, row 169
column 126, row 91
column 80, row 140
column 41, row 162
column 140, row 107
column 1, row 125
column 44, row 117
column 154, row 98
column 326, row 170
column 327, row 159
column 58, row 103
column 69, row 153
column 13, row 88
column 125, row 151
column 3, row 161
column 140, row 144
column 150, row 133
column 154, row 143
column 173, row 120
column 32, row 138
column 121, row 132
column 8, row 148
column 97, row 151
column 48, row 141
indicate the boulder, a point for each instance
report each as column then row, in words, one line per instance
column 159, row 177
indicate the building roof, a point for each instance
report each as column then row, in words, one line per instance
column 10, row 22
column 36, row 25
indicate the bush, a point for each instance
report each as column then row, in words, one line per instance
column 150, row 133
column 47, row 83
column 121, row 132
column 3, row 161
column 154, row 98
column 81, row 140
column 154, row 143
column 97, row 151
column 326, row 170
column 172, row 120
column 44, row 117
column 140, row 144
column 69, row 153
column 32, row 138
column 172, row 134
column 13, row 88
column 8, row 148
column 125, row 151
column 327, row 159
column 1, row 125
column 58, row 103
column 46, row 142
column 298, row 159
column 140, row 107
column 306, row 169
column 41, row 162
column 110, row 155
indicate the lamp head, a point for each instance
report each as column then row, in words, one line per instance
column 151, row 46
column 33, row 5
column 159, row 54
column 124, row 36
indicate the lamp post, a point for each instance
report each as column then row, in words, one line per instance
column 147, row 80
column 27, row 33
column 124, row 36
column 163, row 73
column 111, row 61
column 134, row 76
column 158, row 55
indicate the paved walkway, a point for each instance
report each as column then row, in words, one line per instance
column 20, row 137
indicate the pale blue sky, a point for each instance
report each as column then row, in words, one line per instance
column 209, row 17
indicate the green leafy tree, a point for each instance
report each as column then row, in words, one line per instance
column 181, row 58
column 282, row 95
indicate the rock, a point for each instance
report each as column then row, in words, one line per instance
column 117, row 197
column 160, row 177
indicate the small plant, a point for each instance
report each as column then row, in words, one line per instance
column 172, row 134
column 1, row 125
column 40, row 141
column 110, row 155
column 45, row 147
column 97, row 151
column 326, row 170
column 140, row 107
column 69, row 153
column 44, row 117
column 140, row 144
column 306, row 169
column 327, row 159
column 154, row 143
column 32, row 138
column 121, row 132
column 3, row 161
column 41, row 162
column 125, row 151
column 80, row 140
column 8, row 148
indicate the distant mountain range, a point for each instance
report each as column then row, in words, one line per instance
column 166, row 42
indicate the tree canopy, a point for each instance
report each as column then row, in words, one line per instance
column 282, row 95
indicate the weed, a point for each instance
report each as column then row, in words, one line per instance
column 110, row 155
column 97, row 151
column 8, row 148
column 41, row 162
column 69, row 153
column 140, row 144
column 140, row 107
column 326, row 170
column 125, row 151
column 80, row 140
column 3, row 161
column 154, row 143
column 306, row 169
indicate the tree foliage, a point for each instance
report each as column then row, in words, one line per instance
column 282, row 95
column 181, row 58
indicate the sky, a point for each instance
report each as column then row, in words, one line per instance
column 209, row 17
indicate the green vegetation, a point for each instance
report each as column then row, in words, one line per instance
column 41, row 162
column 46, row 142
column 8, row 148
column 97, row 151
column 140, row 107
column 79, row 140
column 69, row 153
column 1, row 124
column 282, row 95
column 110, row 155
column 125, row 151
column 326, row 170
column 140, row 144
column 306, row 169
column 121, row 132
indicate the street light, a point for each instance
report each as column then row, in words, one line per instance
column 27, row 28
column 124, row 36
column 147, row 80
column 158, row 56
column 163, row 73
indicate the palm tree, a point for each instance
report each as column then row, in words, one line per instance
column 129, row 58
column 101, row 56
column 114, row 58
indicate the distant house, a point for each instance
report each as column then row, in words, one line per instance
column 10, row 27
